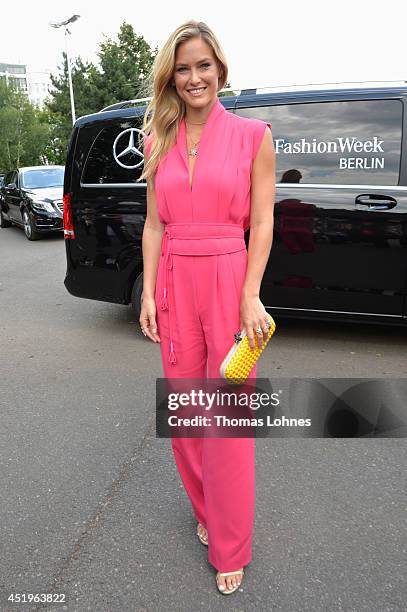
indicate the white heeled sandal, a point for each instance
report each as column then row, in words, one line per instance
column 227, row 591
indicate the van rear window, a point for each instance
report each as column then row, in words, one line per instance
column 115, row 157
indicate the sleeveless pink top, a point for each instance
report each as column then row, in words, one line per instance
column 221, row 175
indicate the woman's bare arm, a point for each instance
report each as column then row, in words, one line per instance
column 263, row 187
column 253, row 315
column 151, row 244
column 151, row 247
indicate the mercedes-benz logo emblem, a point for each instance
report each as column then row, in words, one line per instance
column 129, row 151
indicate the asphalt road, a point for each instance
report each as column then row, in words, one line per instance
column 92, row 505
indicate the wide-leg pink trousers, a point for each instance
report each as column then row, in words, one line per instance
column 218, row 473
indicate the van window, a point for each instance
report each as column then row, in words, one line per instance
column 114, row 157
column 343, row 143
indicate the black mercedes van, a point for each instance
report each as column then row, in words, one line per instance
column 340, row 236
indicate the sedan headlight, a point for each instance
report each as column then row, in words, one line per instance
column 41, row 205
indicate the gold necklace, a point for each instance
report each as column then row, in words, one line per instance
column 193, row 151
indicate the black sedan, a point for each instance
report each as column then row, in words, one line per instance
column 32, row 199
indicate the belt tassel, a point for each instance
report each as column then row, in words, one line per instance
column 164, row 305
column 172, row 359
column 164, row 302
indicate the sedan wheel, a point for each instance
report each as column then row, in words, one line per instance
column 29, row 231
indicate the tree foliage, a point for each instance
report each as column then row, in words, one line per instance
column 23, row 136
column 124, row 66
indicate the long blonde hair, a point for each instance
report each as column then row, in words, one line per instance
column 166, row 109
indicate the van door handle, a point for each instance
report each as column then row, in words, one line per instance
column 375, row 201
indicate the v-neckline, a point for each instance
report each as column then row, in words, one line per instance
column 182, row 141
column 191, row 178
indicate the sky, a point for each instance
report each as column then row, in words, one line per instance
column 266, row 44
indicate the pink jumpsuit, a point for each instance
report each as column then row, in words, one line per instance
column 200, row 276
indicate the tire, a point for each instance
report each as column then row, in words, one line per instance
column 136, row 295
column 3, row 221
column 29, row 231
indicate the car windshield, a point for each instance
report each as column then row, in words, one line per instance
column 47, row 177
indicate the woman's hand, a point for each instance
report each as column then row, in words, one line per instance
column 253, row 316
column 148, row 319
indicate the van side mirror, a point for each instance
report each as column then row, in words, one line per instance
column 12, row 186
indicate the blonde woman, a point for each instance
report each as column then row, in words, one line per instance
column 210, row 176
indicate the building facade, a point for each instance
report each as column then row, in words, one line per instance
column 34, row 83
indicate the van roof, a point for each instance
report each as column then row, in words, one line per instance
column 293, row 92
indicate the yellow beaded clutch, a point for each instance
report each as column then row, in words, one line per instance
column 241, row 359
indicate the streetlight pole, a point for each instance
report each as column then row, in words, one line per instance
column 68, row 61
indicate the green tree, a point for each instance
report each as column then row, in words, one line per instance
column 22, row 134
column 124, row 66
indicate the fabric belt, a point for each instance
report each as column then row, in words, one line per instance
column 195, row 239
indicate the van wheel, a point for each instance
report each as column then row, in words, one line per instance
column 136, row 294
column 29, row 230
column 3, row 221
